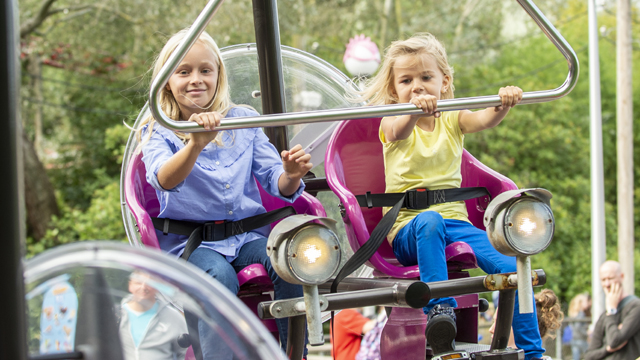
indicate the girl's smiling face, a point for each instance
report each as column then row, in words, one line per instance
column 418, row 74
column 195, row 80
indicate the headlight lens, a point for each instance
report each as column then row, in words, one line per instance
column 313, row 254
column 528, row 226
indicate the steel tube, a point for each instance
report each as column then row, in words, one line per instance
column 414, row 293
column 13, row 332
column 525, row 287
column 358, row 292
column 506, row 303
column 267, row 29
column 362, row 112
column 295, row 337
column 312, row 308
column 339, row 301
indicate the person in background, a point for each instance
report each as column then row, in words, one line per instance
column 579, row 309
column 149, row 325
column 616, row 335
column 549, row 316
column 349, row 326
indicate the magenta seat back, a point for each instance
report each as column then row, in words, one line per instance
column 354, row 165
column 141, row 200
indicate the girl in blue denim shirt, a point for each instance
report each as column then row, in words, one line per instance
column 214, row 175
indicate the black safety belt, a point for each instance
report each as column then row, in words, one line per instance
column 217, row 230
column 412, row 199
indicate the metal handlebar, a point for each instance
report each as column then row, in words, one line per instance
column 203, row 19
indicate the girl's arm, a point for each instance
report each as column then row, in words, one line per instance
column 296, row 164
column 400, row 127
column 471, row 122
column 179, row 166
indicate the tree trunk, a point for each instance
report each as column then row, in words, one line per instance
column 39, row 197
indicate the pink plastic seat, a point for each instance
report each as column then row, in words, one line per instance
column 354, row 165
column 254, row 280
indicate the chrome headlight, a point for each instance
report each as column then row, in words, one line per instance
column 305, row 249
column 520, row 225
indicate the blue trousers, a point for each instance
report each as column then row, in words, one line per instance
column 219, row 268
column 422, row 241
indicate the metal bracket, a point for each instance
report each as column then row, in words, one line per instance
column 507, row 281
column 294, row 307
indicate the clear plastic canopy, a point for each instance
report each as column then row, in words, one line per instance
column 120, row 302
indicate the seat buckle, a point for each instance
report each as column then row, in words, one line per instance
column 214, row 231
column 417, row 199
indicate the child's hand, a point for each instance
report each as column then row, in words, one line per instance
column 428, row 104
column 296, row 162
column 510, row 96
column 208, row 120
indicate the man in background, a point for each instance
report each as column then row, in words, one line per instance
column 616, row 335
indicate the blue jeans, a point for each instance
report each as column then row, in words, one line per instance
column 219, row 268
column 422, row 241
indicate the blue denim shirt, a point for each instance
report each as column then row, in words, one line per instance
column 222, row 184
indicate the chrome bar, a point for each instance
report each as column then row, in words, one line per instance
column 533, row 97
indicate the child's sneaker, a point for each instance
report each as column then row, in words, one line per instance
column 441, row 329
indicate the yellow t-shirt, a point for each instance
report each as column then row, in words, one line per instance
column 427, row 160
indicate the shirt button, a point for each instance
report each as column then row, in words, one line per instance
column 227, row 186
column 217, row 162
column 230, row 212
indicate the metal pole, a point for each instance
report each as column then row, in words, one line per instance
column 267, row 10
column 506, row 304
column 597, row 171
column 624, row 106
column 267, row 28
column 13, row 342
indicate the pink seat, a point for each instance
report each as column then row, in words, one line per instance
column 354, row 165
column 143, row 204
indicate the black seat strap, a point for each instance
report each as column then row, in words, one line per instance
column 217, row 230
column 421, row 198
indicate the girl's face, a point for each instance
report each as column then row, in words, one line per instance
column 194, row 82
column 418, row 74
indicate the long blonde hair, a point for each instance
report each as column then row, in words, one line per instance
column 549, row 313
column 221, row 101
column 577, row 304
column 379, row 90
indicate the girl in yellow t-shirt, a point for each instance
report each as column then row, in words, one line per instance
column 424, row 151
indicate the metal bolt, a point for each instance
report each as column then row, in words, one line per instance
column 493, row 282
column 278, row 309
column 293, row 255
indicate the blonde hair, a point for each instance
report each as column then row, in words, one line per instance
column 577, row 304
column 549, row 314
column 221, row 101
column 380, row 90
